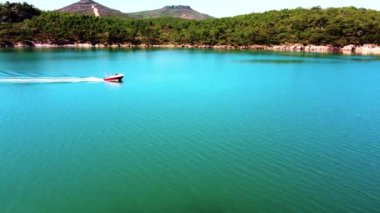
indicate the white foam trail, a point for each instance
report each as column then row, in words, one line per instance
column 50, row 80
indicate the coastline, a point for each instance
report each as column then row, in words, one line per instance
column 367, row 49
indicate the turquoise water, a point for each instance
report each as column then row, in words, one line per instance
column 188, row 131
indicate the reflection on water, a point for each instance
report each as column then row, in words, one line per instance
column 367, row 59
column 114, row 84
column 273, row 61
column 291, row 59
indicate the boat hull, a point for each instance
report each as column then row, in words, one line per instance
column 114, row 79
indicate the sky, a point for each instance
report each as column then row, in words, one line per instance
column 216, row 8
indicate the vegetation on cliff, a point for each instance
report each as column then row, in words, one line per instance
column 335, row 26
column 16, row 12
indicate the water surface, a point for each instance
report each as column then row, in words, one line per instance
column 188, row 131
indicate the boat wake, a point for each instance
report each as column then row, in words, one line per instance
column 28, row 80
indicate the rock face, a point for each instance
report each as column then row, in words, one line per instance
column 368, row 49
column 89, row 7
column 307, row 48
column 349, row 49
column 177, row 11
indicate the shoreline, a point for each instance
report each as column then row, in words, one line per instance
column 367, row 49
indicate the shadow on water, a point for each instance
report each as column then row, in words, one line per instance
column 310, row 58
column 366, row 59
column 273, row 61
column 45, row 54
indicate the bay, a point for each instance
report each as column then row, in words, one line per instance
column 188, row 131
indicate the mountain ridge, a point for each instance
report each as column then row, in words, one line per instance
column 177, row 11
column 91, row 7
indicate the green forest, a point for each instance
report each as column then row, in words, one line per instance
column 21, row 22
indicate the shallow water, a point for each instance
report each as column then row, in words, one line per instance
column 188, row 131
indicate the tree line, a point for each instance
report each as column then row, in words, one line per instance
column 21, row 22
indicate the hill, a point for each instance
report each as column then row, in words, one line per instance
column 178, row 11
column 89, row 7
column 336, row 27
column 17, row 12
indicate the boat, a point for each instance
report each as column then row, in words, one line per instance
column 114, row 78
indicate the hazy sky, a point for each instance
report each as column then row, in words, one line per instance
column 217, row 8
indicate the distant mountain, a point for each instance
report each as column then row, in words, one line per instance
column 179, row 11
column 89, row 7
